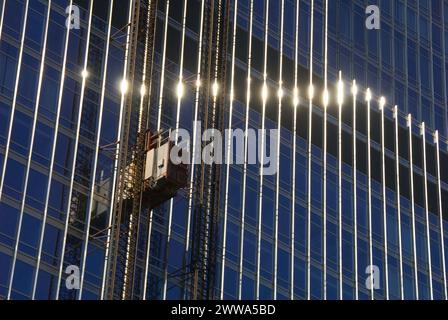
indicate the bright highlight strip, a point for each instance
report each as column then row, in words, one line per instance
column 311, row 92
column 326, row 98
column 354, row 88
column 143, row 90
column 340, row 90
column 296, row 100
column 280, row 93
column 382, row 103
column 180, row 90
column 368, row 95
column 215, row 89
column 264, row 92
column 85, row 74
column 124, row 86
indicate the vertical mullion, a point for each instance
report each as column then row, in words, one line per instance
column 310, row 153
column 397, row 181
column 53, row 155
column 369, row 190
column 159, row 119
column 439, row 204
column 277, row 193
column 411, row 173
column 228, row 148
column 148, row 251
column 246, row 148
column 180, row 89
column 162, row 74
column 194, row 151
column 75, row 150
column 124, row 89
column 118, row 147
column 294, row 149
column 215, row 92
column 1, row 18
column 325, row 105
column 428, row 235
column 263, row 122
column 159, row 124
column 143, row 92
column 263, row 139
column 97, row 146
column 14, row 100
column 8, row 141
column 340, row 103
column 355, row 190
column 383, row 185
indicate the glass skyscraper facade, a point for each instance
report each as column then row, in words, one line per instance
column 361, row 183
column 60, row 104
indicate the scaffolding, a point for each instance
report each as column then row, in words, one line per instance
column 126, row 212
column 208, row 177
column 198, row 273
